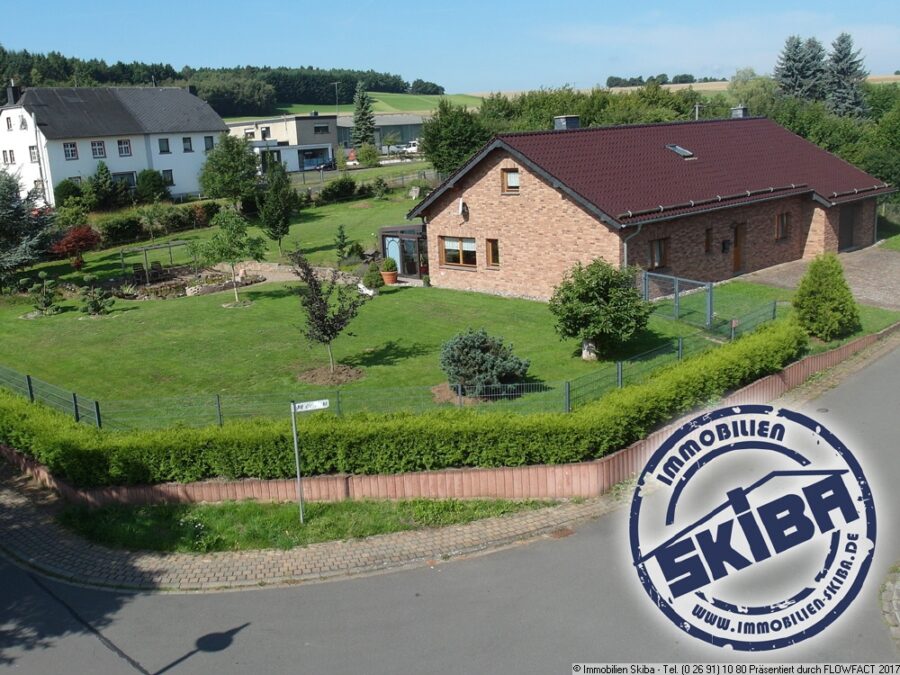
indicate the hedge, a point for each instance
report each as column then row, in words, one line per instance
column 124, row 227
column 370, row 444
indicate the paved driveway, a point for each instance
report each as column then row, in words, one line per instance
column 873, row 273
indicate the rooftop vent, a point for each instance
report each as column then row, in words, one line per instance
column 684, row 153
column 740, row 111
column 562, row 122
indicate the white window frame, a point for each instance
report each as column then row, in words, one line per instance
column 159, row 144
column 5, row 157
column 98, row 149
column 33, row 154
column 187, row 144
column 70, row 151
column 209, row 142
column 124, row 144
column 12, row 156
column 169, row 179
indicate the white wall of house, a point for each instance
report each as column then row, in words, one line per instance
column 16, row 144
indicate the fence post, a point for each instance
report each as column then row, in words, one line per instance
column 646, row 288
column 709, row 304
column 774, row 309
column 30, row 388
column 458, row 395
column 677, row 300
column 97, row 414
column 734, row 323
column 680, row 348
column 219, row 410
column 337, row 402
column 567, row 397
column 75, row 406
column 619, row 374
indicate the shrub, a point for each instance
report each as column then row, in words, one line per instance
column 475, row 360
column 364, row 191
column 369, row 444
column 151, row 187
column 355, row 250
column 95, row 299
column 72, row 214
column 203, row 212
column 389, row 265
column 75, row 242
column 823, row 301
column 119, row 228
column 372, row 278
column 367, row 155
column 426, row 281
column 44, row 294
column 66, row 190
column 380, row 188
column 340, row 189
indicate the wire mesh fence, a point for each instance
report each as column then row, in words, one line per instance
column 678, row 298
column 527, row 397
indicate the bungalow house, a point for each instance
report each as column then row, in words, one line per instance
column 52, row 133
column 705, row 200
column 300, row 142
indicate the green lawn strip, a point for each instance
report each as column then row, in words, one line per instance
column 889, row 227
column 239, row 526
column 382, row 102
column 314, row 179
column 313, row 230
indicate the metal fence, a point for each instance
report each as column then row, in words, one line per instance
column 315, row 181
column 678, row 298
column 528, row 397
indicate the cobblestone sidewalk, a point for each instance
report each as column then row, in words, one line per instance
column 30, row 536
column 890, row 603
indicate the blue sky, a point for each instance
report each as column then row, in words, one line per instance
column 465, row 46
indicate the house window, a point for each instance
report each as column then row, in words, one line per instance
column 12, row 156
column 23, row 123
column 493, row 253
column 70, row 150
column 458, row 251
column 320, row 128
column 264, row 133
column 75, row 179
column 164, row 146
column 124, row 147
column 32, row 153
column 39, row 188
column 186, row 144
column 98, row 149
column 659, row 253
column 708, row 241
column 9, row 124
column 126, row 177
column 168, row 178
column 783, row 226
column 249, row 134
column 510, row 181
column 5, row 157
column 208, row 143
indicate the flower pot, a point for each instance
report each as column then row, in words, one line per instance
column 390, row 278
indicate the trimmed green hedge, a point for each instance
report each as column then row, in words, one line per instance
column 369, row 444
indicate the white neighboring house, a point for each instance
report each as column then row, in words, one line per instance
column 50, row 134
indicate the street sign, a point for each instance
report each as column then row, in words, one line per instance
column 307, row 406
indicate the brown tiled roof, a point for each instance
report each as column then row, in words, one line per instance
column 626, row 174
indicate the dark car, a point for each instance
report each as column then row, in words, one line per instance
column 328, row 165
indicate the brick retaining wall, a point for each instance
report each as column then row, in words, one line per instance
column 582, row 479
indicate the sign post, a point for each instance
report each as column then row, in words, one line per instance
column 303, row 406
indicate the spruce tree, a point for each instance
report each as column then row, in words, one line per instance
column 363, row 118
column 24, row 228
column 277, row 204
column 813, row 70
column 845, row 76
column 789, row 71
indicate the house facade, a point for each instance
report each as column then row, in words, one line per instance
column 52, row 134
column 300, row 142
column 701, row 200
column 398, row 128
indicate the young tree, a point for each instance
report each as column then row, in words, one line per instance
column 75, row 242
column 823, row 301
column 789, row 69
column 230, row 170
column 341, row 242
column 475, row 361
column 363, row 118
column 325, row 318
column 24, row 228
column 43, row 292
column 451, row 136
column 845, row 78
column 277, row 204
column 150, row 187
column 599, row 305
column 231, row 244
column 367, row 155
column 95, row 299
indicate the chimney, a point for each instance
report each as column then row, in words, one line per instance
column 12, row 93
column 739, row 111
column 191, row 89
column 563, row 122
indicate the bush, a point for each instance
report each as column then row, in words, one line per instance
column 203, row 212
column 364, row 191
column 389, row 265
column 75, row 242
column 65, row 191
column 426, row 281
column 380, row 188
column 476, row 361
column 823, row 301
column 367, row 155
column 72, row 214
column 372, row 278
column 120, row 228
column 95, row 300
column 338, row 190
column 370, row 444
column 150, row 187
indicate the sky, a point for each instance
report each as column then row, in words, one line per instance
column 465, row 46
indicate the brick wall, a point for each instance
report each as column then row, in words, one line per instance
column 541, row 233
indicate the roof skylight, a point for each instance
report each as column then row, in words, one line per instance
column 678, row 150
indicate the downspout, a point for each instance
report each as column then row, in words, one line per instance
column 625, row 244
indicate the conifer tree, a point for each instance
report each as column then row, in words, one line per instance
column 813, row 70
column 845, row 76
column 789, row 70
column 363, row 118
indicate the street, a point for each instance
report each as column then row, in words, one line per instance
column 532, row 608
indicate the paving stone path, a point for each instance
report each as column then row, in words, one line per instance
column 890, row 603
column 30, row 535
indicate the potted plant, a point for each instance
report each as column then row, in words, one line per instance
column 389, row 271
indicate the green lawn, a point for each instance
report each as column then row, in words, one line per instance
column 313, row 231
column 382, row 102
column 238, row 526
column 889, row 226
column 315, row 179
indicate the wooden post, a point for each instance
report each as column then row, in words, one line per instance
column 219, row 410
column 75, row 406
column 97, row 414
column 30, row 386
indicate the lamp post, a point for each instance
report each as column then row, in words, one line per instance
column 336, row 85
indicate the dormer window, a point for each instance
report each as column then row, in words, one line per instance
column 510, row 181
column 684, row 153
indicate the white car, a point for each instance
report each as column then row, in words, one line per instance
column 412, row 148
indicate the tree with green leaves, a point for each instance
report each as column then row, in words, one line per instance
column 329, row 306
column 341, row 242
column 789, row 69
column 277, row 204
column 823, row 302
column 845, row 77
column 363, row 118
column 600, row 305
column 44, row 294
column 231, row 244
column 107, row 193
column 367, row 155
column 479, row 364
column 24, row 228
column 451, row 136
column 230, row 170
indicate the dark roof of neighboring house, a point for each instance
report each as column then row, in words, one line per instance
column 627, row 175
column 80, row 112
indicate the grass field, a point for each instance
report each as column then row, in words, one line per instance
column 889, row 227
column 382, row 102
column 389, row 171
column 239, row 526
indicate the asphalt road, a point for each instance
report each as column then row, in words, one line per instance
column 534, row 608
